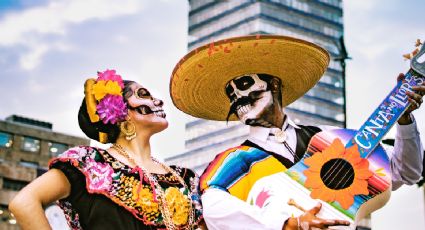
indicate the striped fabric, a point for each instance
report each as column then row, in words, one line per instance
column 237, row 169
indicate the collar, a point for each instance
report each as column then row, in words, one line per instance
column 262, row 133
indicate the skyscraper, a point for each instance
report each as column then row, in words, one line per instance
column 317, row 21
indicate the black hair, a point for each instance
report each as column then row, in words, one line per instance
column 92, row 129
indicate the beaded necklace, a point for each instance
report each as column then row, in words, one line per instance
column 158, row 191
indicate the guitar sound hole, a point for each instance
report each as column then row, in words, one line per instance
column 337, row 174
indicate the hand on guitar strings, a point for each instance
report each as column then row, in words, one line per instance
column 415, row 99
column 308, row 221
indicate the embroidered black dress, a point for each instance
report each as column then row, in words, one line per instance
column 107, row 194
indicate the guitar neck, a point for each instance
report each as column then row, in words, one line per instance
column 386, row 115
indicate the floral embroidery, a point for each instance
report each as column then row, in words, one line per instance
column 75, row 153
column 106, row 175
column 179, row 205
column 143, row 197
column 117, row 165
column 167, row 177
column 100, row 175
column 70, row 215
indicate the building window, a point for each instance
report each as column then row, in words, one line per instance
column 57, row 148
column 30, row 144
column 14, row 185
column 6, row 216
column 29, row 164
column 6, row 140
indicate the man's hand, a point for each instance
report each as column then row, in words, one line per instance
column 415, row 98
column 308, row 220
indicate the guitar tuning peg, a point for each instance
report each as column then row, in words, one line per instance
column 407, row 56
column 415, row 51
column 418, row 42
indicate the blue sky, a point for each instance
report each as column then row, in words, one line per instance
column 48, row 48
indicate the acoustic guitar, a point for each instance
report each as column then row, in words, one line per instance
column 348, row 171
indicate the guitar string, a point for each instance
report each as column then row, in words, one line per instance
column 339, row 182
column 331, row 171
column 333, row 168
column 329, row 174
column 370, row 187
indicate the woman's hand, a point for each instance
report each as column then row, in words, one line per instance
column 415, row 99
column 27, row 205
column 308, row 220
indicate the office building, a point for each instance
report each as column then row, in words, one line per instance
column 318, row 21
column 26, row 146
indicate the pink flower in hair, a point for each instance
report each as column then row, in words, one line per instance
column 112, row 109
column 110, row 75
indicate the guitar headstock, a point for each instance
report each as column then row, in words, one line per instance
column 417, row 58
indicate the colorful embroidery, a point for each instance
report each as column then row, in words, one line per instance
column 105, row 175
column 178, row 204
column 100, row 175
column 70, row 215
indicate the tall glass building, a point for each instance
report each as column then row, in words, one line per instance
column 317, row 21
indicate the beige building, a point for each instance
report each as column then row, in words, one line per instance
column 26, row 146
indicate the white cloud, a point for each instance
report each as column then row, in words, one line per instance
column 55, row 17
column 31, row 59
column 32, row 27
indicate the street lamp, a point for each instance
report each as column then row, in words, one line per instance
column 342, row 56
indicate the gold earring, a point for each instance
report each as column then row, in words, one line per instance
column 129, row 130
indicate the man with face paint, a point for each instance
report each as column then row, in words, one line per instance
column 259, row 76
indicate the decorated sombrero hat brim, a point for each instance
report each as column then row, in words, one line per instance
column 198, row 81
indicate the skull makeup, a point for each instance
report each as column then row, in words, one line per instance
column 148, row 104
column 250, row 96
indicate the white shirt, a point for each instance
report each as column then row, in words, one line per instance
column 224, row 211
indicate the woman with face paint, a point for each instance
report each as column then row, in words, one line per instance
column 122, row 187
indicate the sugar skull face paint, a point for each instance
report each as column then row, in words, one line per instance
column 146, row 103
column 250, row 97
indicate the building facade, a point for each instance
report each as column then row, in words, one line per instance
column 26, row 146
column 317, row 21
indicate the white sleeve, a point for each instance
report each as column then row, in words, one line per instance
column 406, row 156
column 221, row 210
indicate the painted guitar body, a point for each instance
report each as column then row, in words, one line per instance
column 346, row 170
column 279, row 188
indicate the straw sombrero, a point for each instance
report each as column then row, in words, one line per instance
column 198, row 81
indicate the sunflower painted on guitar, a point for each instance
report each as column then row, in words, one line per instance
column 337, row 174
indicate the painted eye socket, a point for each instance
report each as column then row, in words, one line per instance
column 230, row 92
column 142, row 93
column 244, row 83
